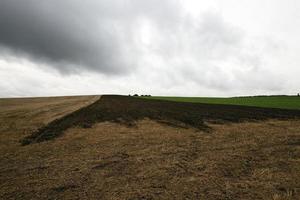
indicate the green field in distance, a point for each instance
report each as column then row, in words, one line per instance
column 286, row 102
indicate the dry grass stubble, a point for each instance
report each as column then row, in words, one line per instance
column 154, row 161
column 258, row 160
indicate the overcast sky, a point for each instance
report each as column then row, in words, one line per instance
column 158, row 47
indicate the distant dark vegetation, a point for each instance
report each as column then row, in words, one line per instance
column 127, row 110
column 142, row 95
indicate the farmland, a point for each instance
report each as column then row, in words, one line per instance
column 120, row 147
column 286, row 102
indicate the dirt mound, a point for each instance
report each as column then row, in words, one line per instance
column 127, row 110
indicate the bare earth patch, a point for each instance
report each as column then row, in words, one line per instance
column 128, row 110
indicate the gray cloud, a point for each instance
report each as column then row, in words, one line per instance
column 156, row 42
column 71, row 35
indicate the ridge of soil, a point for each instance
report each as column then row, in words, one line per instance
column 127, row 110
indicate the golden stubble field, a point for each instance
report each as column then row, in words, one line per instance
column 150, row 160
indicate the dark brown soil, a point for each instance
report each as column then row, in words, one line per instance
column 128, row 110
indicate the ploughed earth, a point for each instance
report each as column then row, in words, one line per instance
column 120, row 147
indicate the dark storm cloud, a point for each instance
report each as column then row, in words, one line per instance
column 72, row 34
column 58, row 32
